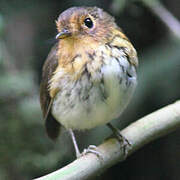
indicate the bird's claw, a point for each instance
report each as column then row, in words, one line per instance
column 92, row 149
column 124, row 143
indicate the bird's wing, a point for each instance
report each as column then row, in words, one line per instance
column 120, row 40
column 50, row 65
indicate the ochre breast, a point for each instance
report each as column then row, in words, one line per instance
column 73, row 55
column 76, row 54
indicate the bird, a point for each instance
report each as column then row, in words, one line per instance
column 89, row 75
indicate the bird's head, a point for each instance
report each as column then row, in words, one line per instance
column 85, row 22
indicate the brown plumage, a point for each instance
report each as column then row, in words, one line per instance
column 52, row 126
column 89, row 75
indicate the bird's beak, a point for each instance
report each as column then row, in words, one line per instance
column 63, row 34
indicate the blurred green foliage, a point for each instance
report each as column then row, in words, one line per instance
column 26, row 28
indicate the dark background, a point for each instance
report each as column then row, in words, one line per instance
column 27, row 31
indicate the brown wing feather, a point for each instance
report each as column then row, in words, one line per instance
column 52, row 126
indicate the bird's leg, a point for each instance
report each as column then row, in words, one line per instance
column 123, row 141
column 91, row 149
column 78, row 154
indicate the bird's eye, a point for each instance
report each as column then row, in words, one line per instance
column 88, row 22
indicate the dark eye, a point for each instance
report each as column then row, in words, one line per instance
column 88, row 22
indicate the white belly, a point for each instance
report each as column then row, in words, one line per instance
column 87, row 103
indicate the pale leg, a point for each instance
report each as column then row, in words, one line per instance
column 78, row 154
column 90, row 149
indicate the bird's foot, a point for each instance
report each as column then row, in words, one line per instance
column 94, row 150
column 124, row 143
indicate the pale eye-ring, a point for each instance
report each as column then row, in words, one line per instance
column 88, row 22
